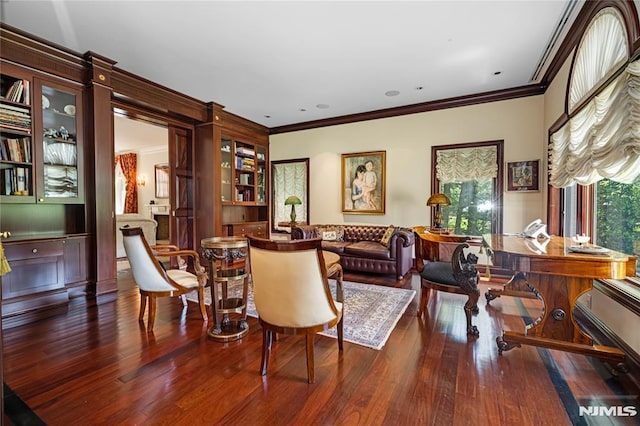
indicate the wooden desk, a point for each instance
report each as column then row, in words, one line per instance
column 558, row 278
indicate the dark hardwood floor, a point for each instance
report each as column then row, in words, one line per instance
column 98, row 365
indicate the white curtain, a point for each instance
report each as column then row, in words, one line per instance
column 603, row 50
column 289, row 179
column 464, row 164
column 603, row 139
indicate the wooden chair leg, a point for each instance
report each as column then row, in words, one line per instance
column 152, row 313
column 310, row 362
column 424, row 297
column 340, row 332
column 143, row 306
column 469, row 309
column 203, row 307
column 267, row 337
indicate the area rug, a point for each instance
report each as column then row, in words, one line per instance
column 371, row 312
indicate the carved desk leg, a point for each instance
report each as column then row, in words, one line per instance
column 556, row 327
column 516, row 287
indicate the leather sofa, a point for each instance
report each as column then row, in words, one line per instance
column 360, row 247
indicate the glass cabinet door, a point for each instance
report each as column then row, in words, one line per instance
column 60, row 177
column 226, row 175
column 261, row 188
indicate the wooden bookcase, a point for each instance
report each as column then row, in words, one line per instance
column 41, row 191
column 232, row 175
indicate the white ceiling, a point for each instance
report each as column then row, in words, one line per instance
column 283, row 59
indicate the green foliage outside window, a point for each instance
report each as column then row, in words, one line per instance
column 471, row 208
column 618, row 216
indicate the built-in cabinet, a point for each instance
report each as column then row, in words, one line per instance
column 232, row 175
column 242, row 173
column 41, row 190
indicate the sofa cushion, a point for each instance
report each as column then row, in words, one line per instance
column 330, row 233
column 335, row 246
column 439, row 272
column 386, row 238
column 368, row 250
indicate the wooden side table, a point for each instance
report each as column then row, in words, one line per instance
column 228, row 261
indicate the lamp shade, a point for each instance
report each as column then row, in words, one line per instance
column 438, row 200
column 292, row 200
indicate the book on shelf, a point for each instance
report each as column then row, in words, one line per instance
column 243, row 163
column 16, row 181
column 20, row 179
column 15, row 108
column 19, row 92
column 15, row 149
column 245, row 151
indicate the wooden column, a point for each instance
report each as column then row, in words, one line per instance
column 100, row 175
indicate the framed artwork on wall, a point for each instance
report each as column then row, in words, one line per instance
column 523, row 176
column 363, row 182
column 162, row 180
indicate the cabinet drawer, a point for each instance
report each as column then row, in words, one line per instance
column 243, row 229
column 31, row 250
column 35, row 267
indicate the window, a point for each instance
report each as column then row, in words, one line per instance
column 289, row 177
column 617, row 216
column 471, row 176
column 594, row 153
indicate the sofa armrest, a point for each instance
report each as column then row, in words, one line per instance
column 404, row 237
column 303, row 232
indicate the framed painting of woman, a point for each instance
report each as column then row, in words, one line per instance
column 363, row 182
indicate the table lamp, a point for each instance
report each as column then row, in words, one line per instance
column 438, row 200
column 292, row 201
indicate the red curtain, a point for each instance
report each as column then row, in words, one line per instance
column 129, row 164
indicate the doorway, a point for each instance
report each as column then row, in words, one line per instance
column 149, row 143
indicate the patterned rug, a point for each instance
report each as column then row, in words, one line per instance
column 370, row 312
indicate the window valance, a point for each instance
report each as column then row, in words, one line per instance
column 603, row 139
column 463, row 164
column 602, row 51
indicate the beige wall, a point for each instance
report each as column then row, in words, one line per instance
column 407, row 141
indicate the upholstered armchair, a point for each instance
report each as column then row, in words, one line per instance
column 443, row 266
column 154, row 281
column 292, row 294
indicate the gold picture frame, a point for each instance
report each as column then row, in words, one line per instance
column 363, row 182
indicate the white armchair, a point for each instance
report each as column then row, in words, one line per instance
column 154, row 281
column 293, row 297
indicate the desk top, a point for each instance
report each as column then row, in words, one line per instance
column 553, row 257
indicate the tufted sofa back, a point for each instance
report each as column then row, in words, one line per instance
column 363, row 233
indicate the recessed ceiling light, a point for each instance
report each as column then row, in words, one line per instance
column 322, row 106
column 392, row 93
